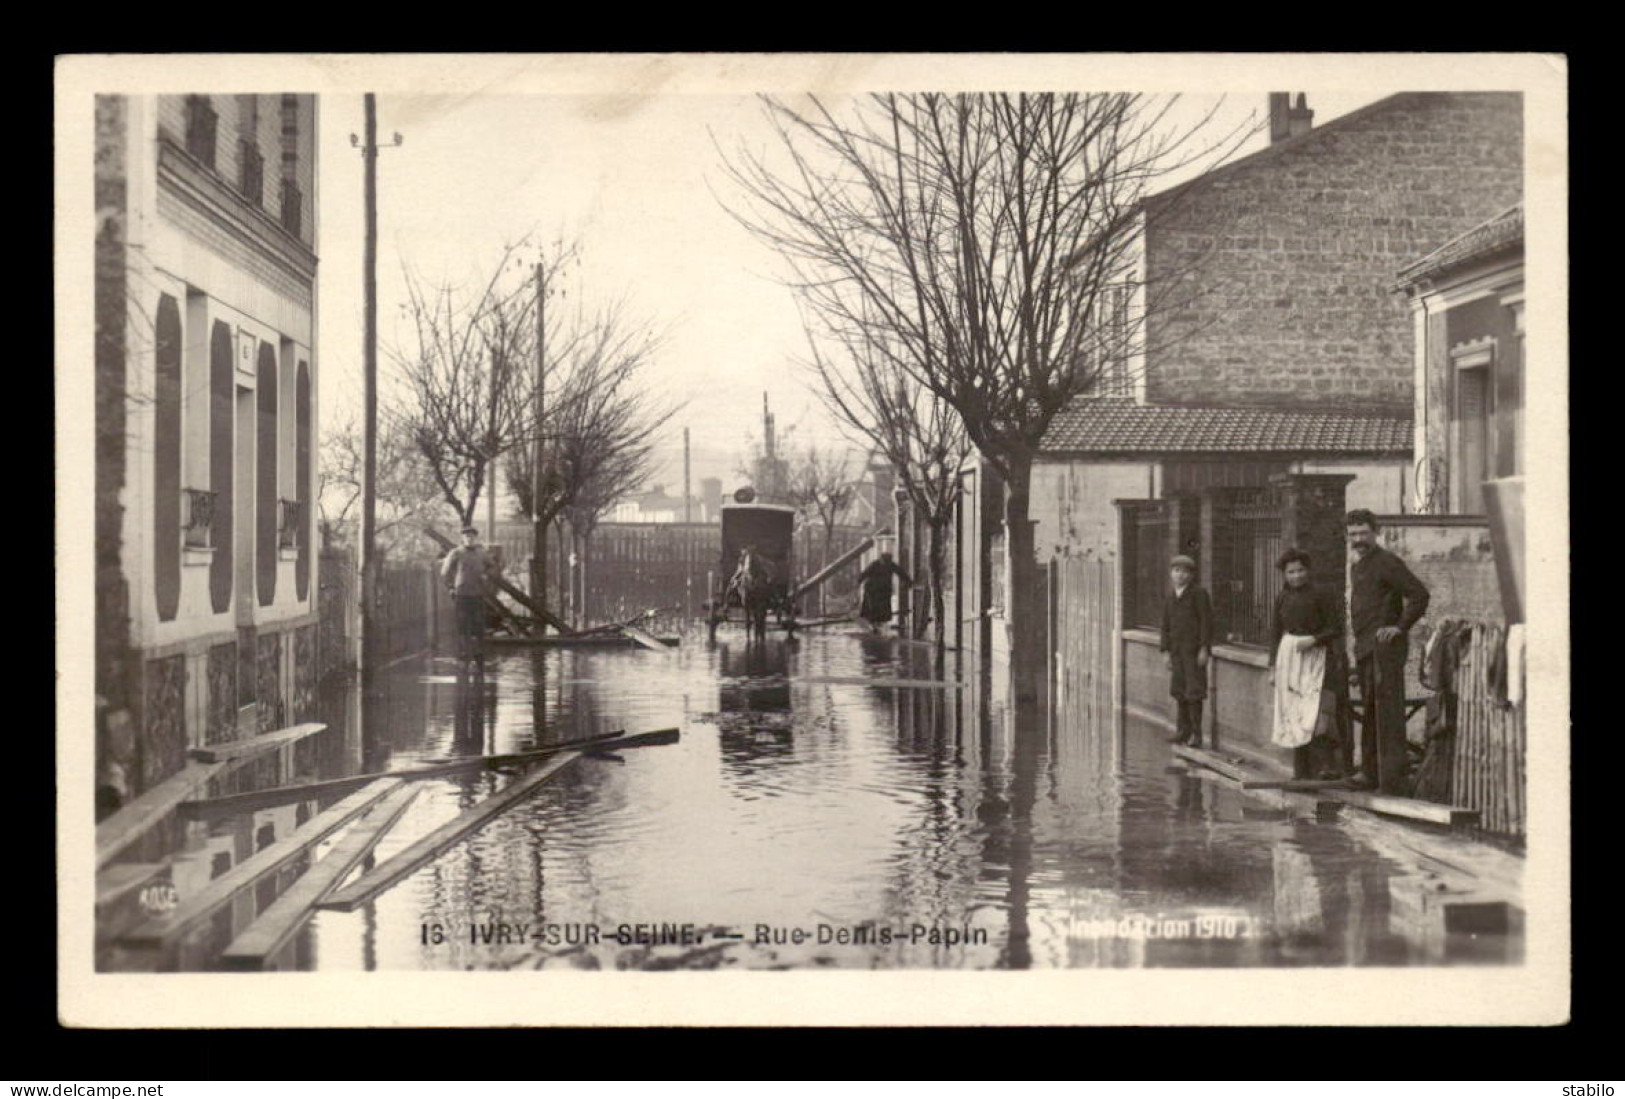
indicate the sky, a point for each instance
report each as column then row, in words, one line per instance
column 637, row 178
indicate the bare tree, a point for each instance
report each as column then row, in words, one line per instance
column 602, row 426
column 470, row 375
column 822, row 488
column 406, row 492
column 918, row 433
column 981, row 236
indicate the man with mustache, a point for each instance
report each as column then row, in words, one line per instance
column 1385, row 601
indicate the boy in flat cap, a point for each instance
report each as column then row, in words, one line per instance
column 1187, row 641
column 470, row 571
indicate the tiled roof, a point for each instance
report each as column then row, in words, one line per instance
column 1123, row 427
column 1504, row 230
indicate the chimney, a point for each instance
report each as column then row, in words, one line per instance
column 1287, row 119
column 1300, row 119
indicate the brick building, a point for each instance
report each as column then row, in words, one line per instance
column 206, row 417
column 1273, row 342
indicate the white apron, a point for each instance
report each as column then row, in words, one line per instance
column 1299, row 674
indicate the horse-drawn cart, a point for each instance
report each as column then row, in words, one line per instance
column 755, row 571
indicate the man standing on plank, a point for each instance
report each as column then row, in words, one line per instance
column 1385, row 601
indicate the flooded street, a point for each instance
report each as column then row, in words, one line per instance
column 811, row 815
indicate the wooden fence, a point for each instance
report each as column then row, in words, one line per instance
column 666, row 567
column 1489, row 770
column 412, row 604
column 1083, row 642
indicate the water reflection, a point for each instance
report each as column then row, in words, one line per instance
column 909, row 825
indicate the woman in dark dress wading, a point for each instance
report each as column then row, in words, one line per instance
column 877, row 590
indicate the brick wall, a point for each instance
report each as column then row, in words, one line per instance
column 1279, row 268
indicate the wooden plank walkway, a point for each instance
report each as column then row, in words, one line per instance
column 144, row 813
column 875, row 681
column 161, row 930
column 277, row 924
column 1406, row 807
column 253, row 746
column 1410, row 808
column 122, row 878
column 646, row 639
column 140, row 816
column 429, row 847
column 233, row 804
column 1228, row 766
column 599, row 641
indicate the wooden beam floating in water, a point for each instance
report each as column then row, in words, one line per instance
column 874, row 681
column 602, row 641
column 429, row 847
column 233, row 804
column 1229, row 768
column 161, row 930
column 253, row 746
column 140, row 816
column 1406, row 807
column 277, row 924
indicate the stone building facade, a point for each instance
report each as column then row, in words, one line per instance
column 1288, row 256
column 1262, row 306
column 206, row 426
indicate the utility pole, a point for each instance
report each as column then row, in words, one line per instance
column 538, row 557
column 688, row 510
column 369, row 358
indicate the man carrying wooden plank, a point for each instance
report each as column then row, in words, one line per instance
column 471, row 573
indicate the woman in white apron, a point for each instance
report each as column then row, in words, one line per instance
column 1306, row 659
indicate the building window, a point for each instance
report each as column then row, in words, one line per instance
column 200, row 129
column 250, row 161
column 197, row 517
column 252, row 180
column 292, row 207
column 1473, row 423
column 292, row 198
column 290, row 514
column 1108, row 337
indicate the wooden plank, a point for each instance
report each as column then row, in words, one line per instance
column 644, row 637
column 161, row 929
column 1229, row 767
column 138, row 817
column 122, row 878
column 1292, row 784
column 1406, row 807
column 830, row 569
column 255, row 745
column 614, row 641
column 833, row 620
column 277, row 924
column 874, row 681
column 429, row 847
column 233, row 804
column 518, row 596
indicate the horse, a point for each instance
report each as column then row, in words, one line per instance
column 752, row 582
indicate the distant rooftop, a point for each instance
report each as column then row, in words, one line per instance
column 1501, row 233
column 1122, row 427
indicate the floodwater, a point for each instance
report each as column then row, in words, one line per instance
column 813, row 816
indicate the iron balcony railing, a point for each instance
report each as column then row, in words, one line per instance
column 197, row 517
column 290, row 518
